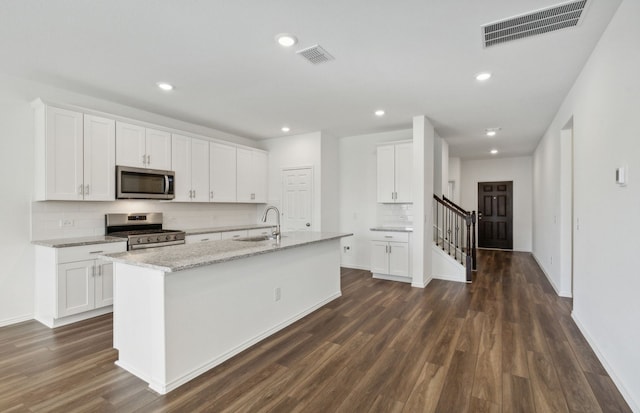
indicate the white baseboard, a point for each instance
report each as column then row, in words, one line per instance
column 391, row 278
column 635, row 407
column 16, row 320
column 164, row 389
column 559, row 292
column 356, row 267
column 421, row 285
column 59, row 322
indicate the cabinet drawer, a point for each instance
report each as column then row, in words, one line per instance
column 234, row 234
column 89, row 252
column 259, row 231
column 214, row 236
column 390, row 236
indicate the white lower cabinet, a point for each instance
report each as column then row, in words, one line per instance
column 214, row 236
column 84, row 286
column 72, row 284
column 390, row 256
column 234, row 234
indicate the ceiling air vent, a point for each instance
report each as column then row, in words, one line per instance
column 315, row 54
column 535, row 23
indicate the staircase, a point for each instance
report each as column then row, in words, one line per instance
column 454, row 232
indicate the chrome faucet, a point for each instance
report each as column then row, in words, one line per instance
column 275, row 233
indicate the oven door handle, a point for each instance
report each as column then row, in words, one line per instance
column 156, row 244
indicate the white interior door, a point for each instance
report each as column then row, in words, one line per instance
column 297, row 195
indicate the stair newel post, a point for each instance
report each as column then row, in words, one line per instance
column 473, row 247
column 469, row 259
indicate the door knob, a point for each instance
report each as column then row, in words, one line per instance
column 308, row 224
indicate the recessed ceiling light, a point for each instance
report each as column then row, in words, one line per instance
column 492, row 131
column 286, row 39
column 494, row 151
column 379, row 112
column 483, row 76
column 285, row 129
column 165, row 86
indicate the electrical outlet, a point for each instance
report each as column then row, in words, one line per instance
column 65, row 223
column 346, row 249
column 277, row 294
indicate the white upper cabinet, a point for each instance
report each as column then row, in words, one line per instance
column 158, row 145
column 222, row 173
column 394, row 173
column 99, row 158
column 130, row 145
column 190, row 160
column 142, row 147
column 74, row 155
column 251, row 176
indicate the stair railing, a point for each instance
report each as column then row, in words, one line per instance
column 454, row 230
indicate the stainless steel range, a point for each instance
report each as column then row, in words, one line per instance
column 142, row 230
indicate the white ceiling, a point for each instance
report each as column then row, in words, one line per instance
column 409, row 57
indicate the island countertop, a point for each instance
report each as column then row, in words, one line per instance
column 182, row 257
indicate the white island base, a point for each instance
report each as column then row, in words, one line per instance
column 170, row 327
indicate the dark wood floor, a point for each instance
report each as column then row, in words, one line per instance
column 505, row 343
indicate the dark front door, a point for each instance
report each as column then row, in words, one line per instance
column 495, row 215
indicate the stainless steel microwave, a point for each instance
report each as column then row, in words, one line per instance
column 140, row 183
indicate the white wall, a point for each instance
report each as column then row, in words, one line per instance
column 296, row 151
column 454, row 175
column 604, row 104
column 358, row 196
column 16, row 165
column 330, row 191
column 518, row 170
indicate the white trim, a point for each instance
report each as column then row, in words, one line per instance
column 619, row 384
column 356, row 267
column 59, row 322
column 421, row 285
column 559, row 292
column 164, row 389
column 15, row 320
column 390, row 277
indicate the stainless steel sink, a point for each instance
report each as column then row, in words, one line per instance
column 257, row 238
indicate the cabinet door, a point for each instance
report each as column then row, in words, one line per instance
column 379, row 257
column 244, row 176
column 222, row 170
column 130, row 145
column 200, row 170
column 259, row 171
column 399, row 258
column 181, row 162
column 158, row 149
column 99, row 158
column 386, row 173
column 103, row 281
column 76, row 287
column 63, row 154
column 404, row 172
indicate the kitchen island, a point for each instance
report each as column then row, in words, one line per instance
column 181, row 310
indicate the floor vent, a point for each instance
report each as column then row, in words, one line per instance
column 315, row 54
column 532, row 24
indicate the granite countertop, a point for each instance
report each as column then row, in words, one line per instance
column 393, row 229
column 182, row 257
column 77, row 242
column 198, row 231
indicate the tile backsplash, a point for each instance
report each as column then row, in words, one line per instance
column 65, row 219
column 395, row 215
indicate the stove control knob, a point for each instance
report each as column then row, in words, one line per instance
column 138, row 240
column 171, row 237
